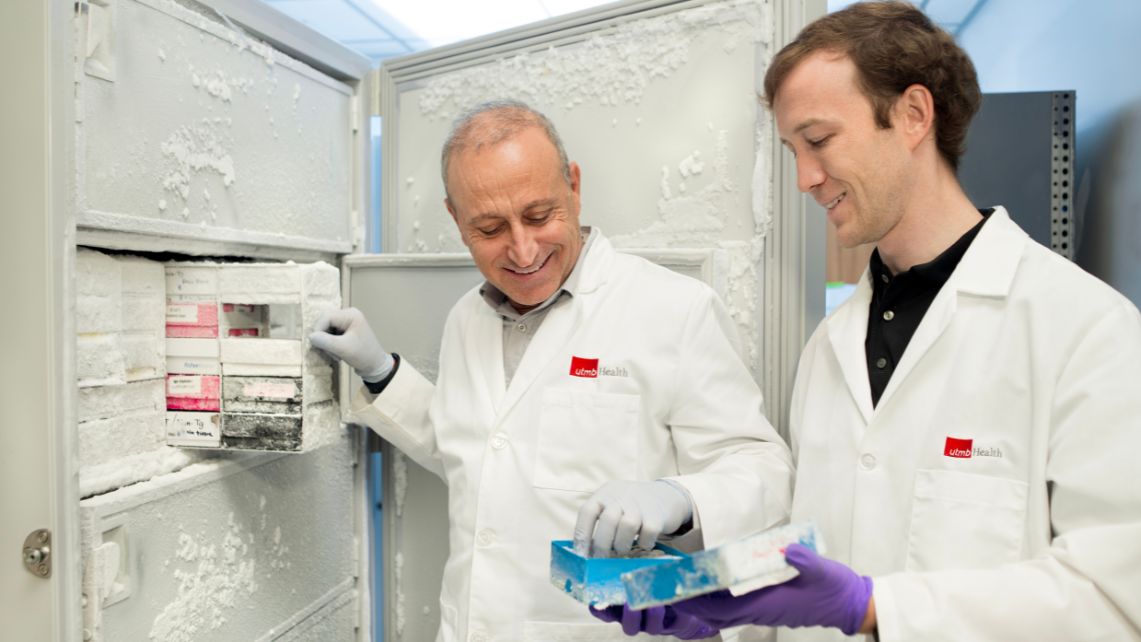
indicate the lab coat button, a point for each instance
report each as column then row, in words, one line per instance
column 485, row 537
column 499, row 441
column 522, row 327
column 867, row 461
column 888, row 316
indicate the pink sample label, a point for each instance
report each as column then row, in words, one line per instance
column 192, row 314
column 186, row 403
column 242, row 332
column 194, row 386
column 191, row 331
column 266, row 390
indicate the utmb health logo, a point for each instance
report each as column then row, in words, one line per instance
column 966, row 449
column 591, row 369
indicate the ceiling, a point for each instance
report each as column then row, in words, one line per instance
column 383, row 28
column 380, row 29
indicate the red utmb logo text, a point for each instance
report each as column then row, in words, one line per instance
column 959, row 448
column 581, row 367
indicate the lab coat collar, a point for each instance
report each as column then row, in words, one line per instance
column 989, row 266
column 987, row 269
column 598, row 262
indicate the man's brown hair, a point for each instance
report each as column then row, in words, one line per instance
column 893, row 46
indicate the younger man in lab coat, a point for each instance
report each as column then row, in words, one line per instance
column 580, row 390
column 966, row 427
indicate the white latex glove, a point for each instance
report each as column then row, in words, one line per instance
column 624, row 513
column 345, row 335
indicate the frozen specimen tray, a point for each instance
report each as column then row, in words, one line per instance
column 745, row 565
column 598, row 580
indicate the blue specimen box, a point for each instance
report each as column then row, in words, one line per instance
column 745, row 565
column 598, row 580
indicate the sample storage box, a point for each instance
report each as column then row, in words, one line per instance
column 238, row 351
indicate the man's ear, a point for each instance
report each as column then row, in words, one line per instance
column 575, row 178
column 915, row 114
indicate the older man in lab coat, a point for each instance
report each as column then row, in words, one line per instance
column 965, row 427
column 580, row 389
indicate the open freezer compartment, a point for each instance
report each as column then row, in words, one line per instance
column 218, row 162
column 240, row 372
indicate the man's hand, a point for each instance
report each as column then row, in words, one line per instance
column 345, row 335
column 826, row 593
column 656, row 620
column 623, row 514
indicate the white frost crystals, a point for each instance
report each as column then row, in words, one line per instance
column 193, row 150
column 639, row 51
column 211, row 579
column 690, row 218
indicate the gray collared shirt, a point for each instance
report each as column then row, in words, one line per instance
column 519, row 329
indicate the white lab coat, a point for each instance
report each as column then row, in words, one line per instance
column 1035, row 536
column 672, row 399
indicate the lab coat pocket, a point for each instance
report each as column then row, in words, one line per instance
column 964, row 521
column 586, row 439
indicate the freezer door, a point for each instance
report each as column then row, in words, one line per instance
column 195, row 133
column 35, row 377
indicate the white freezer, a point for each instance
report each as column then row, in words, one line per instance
column 195, row 139
column 218, row 129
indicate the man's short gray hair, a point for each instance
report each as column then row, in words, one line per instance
column 493, row 122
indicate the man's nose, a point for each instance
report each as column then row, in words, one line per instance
column 523, row 249
column 808, row 173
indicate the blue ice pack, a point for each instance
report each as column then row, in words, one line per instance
column 598, row 580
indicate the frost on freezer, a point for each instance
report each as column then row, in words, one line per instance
column 637, row 52
column 205, row 125
column 194, row 150
column 398, row 608
column 120, row 370
column 400, row 476
column 217, row 574
column 690, row 217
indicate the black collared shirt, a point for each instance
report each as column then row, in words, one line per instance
column 899, row 303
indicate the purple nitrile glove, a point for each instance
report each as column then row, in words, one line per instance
column 826, row 593
column 656, row 620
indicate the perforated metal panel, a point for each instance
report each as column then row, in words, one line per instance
column 1020, row 154
column 1062, row 173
